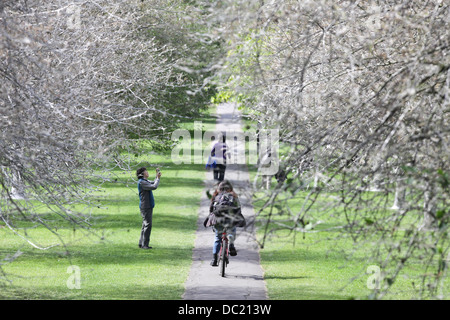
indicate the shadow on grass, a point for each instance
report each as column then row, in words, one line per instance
column 111, row 254
column 166, row 182
column 305, row 292
column 271, row 277
column 133, row 222
column 104, row 292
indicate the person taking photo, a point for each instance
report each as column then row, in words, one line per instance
column 146, row 203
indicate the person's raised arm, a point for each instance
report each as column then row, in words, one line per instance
column 151, row 185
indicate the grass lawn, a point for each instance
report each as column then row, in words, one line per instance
column 316, row 268
column 110, row 264
column 326, row 264
column 316, row 265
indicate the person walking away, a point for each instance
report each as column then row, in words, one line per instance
column 219, row 153
column 146, row 203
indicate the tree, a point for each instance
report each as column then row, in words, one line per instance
column 79, row 81
column 360, row 94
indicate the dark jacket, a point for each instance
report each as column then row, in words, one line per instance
column 236, row 220
column 219, row 152
column 145, row 187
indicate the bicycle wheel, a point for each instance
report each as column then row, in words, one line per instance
column 223, row 258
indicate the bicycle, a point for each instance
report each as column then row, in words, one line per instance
column 224, row 252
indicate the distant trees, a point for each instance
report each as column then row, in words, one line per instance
column 360, row 93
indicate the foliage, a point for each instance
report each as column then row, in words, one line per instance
column 359, row 92
column 82, row 82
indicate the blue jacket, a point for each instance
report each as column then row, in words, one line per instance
column 145, row 187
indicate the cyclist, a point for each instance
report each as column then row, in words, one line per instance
column 231, row 219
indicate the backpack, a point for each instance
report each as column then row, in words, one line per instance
column 225, row 212
column 225, row 205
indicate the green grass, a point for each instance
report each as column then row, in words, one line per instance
column 305, row 271
column 326, row 263
column 111, row 264
column 297, row 266
column 316, row 268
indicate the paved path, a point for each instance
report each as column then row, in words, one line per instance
column 244, row 275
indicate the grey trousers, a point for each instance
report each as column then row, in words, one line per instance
column 146, row 230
